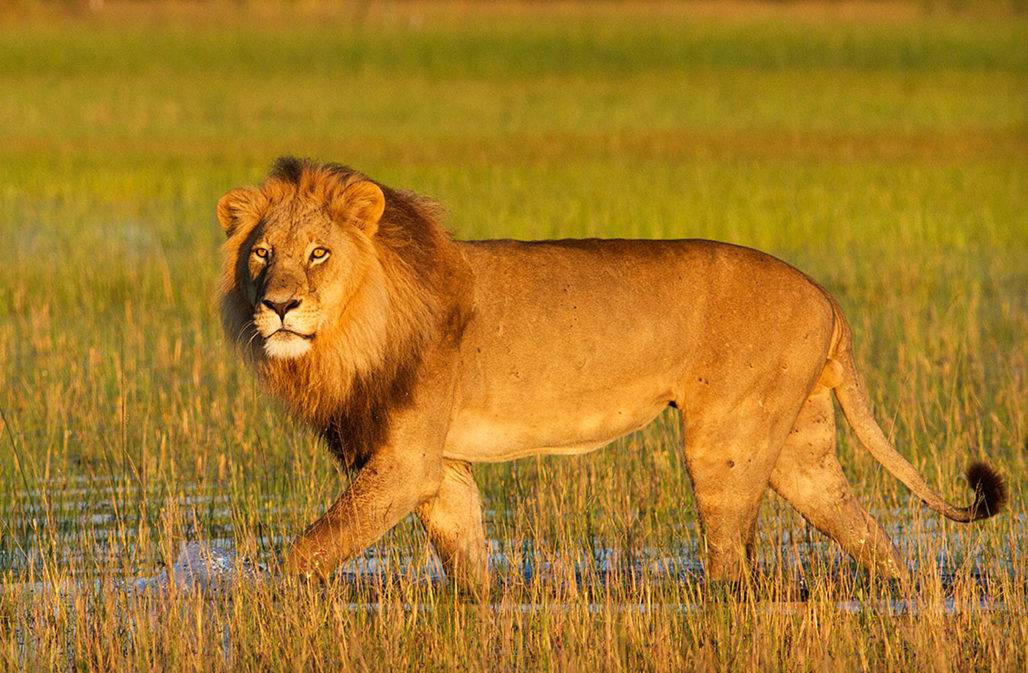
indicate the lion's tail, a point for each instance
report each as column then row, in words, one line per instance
column 990, row 491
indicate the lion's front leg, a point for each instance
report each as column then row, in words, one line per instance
column 453, row 520
column 385, row 490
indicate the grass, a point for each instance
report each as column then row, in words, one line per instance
column 886, row 156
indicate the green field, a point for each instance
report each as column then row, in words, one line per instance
column 883, row 149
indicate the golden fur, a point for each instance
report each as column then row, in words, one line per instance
column 415, row 356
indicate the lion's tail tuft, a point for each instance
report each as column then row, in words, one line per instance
column 990, row 490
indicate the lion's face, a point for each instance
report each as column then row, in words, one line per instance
column 299, row 258
column 297, row 271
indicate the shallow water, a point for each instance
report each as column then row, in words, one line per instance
column 209, row 563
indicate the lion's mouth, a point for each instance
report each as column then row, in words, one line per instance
column 285, row 344
column 290, row 333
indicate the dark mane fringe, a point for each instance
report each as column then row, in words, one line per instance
column 429, row 288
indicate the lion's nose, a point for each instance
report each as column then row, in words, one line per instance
column 281, row 307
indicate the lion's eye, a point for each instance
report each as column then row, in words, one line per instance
column 261, row 252
column 318, row 254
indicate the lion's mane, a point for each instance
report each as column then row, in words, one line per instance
column 360, row 369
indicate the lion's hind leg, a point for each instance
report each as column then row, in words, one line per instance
column 453, row 521
column 729, row 465
column 808, row 475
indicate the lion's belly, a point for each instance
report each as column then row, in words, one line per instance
column 501, row 434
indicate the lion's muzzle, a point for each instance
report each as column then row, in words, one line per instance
column 287, row 325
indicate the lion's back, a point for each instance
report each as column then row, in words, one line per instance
column 620, row 281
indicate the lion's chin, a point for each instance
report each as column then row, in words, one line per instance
column 286, row 345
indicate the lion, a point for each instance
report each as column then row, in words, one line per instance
column 415, row 356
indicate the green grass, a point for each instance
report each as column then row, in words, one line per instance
column 888, row 158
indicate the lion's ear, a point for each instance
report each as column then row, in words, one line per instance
column 239, row 206
column 360, row 204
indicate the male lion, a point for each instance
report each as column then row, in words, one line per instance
column 414, row 356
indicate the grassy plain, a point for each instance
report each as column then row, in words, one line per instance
column 883, row 149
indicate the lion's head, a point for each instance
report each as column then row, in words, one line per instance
column 300, row 251
column 332, row 282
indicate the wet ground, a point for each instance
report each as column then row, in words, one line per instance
column 92, row 520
